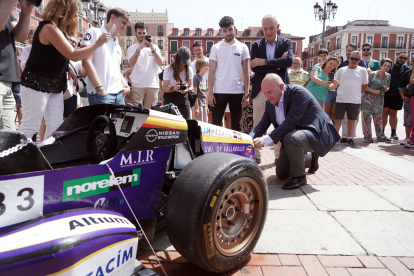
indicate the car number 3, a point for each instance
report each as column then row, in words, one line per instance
column 28, row 198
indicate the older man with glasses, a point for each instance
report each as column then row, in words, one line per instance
column 393, row 100
column 372, row 64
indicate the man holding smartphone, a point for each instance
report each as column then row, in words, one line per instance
column 143, row 58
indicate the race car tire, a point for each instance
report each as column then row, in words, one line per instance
column 217, row 210
column 108, row 142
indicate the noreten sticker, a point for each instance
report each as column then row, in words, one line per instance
column 99, row 184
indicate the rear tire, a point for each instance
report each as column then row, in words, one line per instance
column 217, row 210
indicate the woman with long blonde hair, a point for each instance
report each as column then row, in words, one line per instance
column 44, row 78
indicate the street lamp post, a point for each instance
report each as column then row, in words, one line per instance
column 99, row 12
column 324, row 13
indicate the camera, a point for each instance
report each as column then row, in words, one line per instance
column 182, row 86
column 148, row 38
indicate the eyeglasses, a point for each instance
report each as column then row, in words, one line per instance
column 356, row 59
column 404, row 58
column 366, row 49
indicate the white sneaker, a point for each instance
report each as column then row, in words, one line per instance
column 405, row 141
column 409, row 145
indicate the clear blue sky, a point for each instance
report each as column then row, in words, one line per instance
column 295, row 17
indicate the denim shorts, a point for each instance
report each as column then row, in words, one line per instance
column 16, row 92
column 117, row 98
column 407, row 114
column 331, row 98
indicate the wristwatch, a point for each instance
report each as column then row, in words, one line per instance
column 246, row 94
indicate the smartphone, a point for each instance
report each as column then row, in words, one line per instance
column 148, row 38
column 331, row 76
column 112, row 30
column 382, row 86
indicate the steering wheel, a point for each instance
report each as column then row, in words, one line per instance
column 99, row 145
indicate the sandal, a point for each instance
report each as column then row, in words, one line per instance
column 368, row 140
column 384, row 139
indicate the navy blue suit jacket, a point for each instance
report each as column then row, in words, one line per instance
column 303, row 112
column 277, row 65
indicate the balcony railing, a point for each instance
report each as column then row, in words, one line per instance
column 391, row 46
column 311, row 55
column 337, row 47
column 160, row 34
column 412, row 46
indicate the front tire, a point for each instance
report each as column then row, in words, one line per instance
column 217, row 210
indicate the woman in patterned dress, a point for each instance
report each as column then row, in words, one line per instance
column 373, row 101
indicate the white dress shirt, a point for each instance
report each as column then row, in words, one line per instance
column 280, row 118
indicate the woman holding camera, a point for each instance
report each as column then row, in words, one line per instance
column 178, row 81
column 44, row 78
column 320, row 83
column 373, row 101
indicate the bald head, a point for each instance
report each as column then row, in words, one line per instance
column 272, row 87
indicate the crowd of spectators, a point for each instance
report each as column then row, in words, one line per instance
column 58, row 76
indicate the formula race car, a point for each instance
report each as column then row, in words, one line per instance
column 72, row 204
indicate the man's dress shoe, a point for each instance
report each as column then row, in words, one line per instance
column 295, row 183
column 314, row 164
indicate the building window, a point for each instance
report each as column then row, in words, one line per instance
column 261, row 33
column 198, row 32
column 294, row 47
column 186, row 43
column 312, row 53
column 129, row 43
column 383, row 55
column 247, row 33
column 328, row 46
column 160, row 30
column 173, row 46
column 80, row 26
column 172, row 58
column 311, row 64
column 209, row 45
column 354, row 39
column 384, row 42
column 369, row 39
column 248, row 44
column 160, row 44
column 186, row 32
column 412, row 43
column 125, row 62
column 338, row 43
column 208, row 56
column 210, row 32
column 399, row 42
column 175, row 32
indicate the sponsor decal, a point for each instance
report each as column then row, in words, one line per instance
column 87, row 37
column 137, row 158
column 213, row 201
column 208, row 236
column 86, row 221
column 218, row 192
column 249, row 149
column 239, row 136
column 237, row 54
column 118, row 262
column 153, row 135
column 99, row 184
column 103, row 202
column 224, row 148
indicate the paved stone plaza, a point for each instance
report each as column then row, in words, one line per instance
column 354, row 218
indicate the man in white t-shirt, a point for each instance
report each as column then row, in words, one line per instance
column 228, row 59
column 198, row 51
column 106, row 85
column 353, row 83
column 143, row 58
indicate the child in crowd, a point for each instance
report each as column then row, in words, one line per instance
column 200, row 87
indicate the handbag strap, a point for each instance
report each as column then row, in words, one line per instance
column 76, row 73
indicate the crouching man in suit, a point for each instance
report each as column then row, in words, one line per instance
column 300, row 124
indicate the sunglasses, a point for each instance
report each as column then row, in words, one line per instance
column 404, row 58
column 366, row 49
column 356, row 59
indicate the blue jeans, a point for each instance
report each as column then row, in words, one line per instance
column 331, row 98
column 106, row 99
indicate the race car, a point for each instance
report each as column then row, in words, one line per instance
column 110, row 170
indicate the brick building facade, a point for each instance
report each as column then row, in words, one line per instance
column 186, row 37
column 387, row 40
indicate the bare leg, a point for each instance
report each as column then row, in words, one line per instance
column 337, row 123
column 42, row 130
column 332, row 115
column 351, row 124
column 393, row 119
column 328, row 109
column 385, row 112
column 228, row 120
column 408, row 132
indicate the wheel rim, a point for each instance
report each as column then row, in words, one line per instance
column 238, row 216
